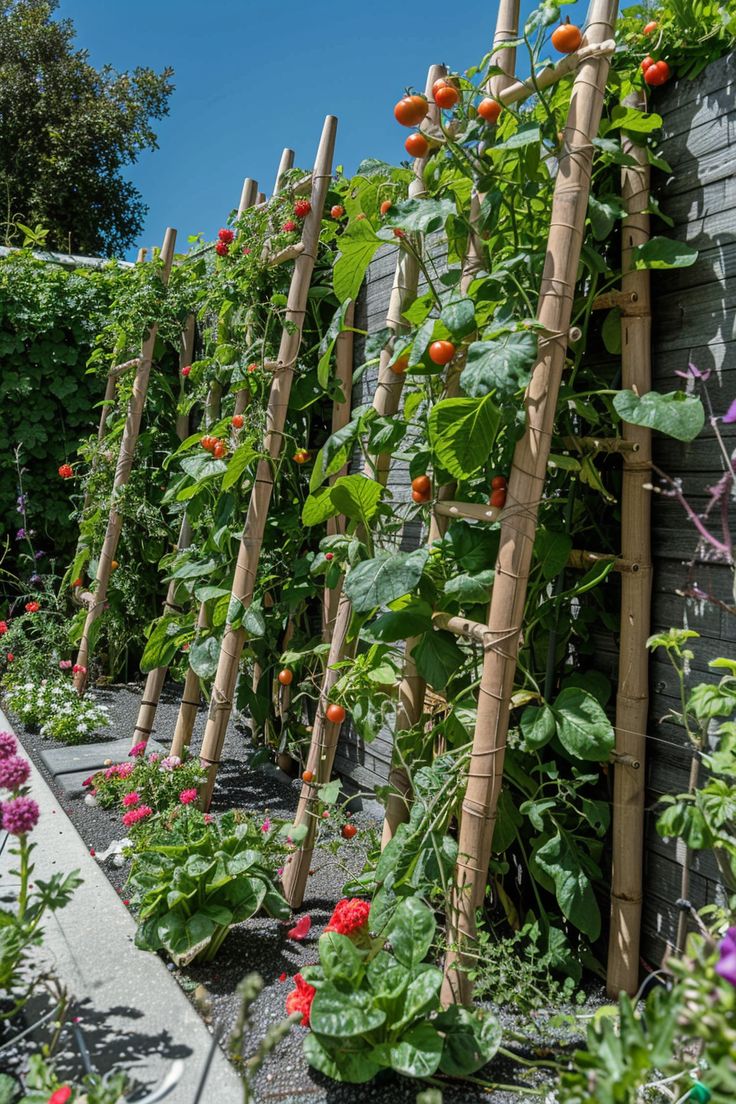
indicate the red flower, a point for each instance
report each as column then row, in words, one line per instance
column 78, row 669
column 60, row 1096
column 32, row 607
column 226, row 236
column 66, row 471
column 302, row 207
column 3, row 627
column 289, row 226
column 301, row 929
column 246, row 251
column 221, row 249
column 300, row 999
column 349, row 916
column 10, row 657
column 186, row 369
column 282, row 977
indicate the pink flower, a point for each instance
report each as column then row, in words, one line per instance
column 89, row 781
column 8, row 745
column 131, row 799
column 78, row 669
column 135, row 815
column 60, row 1096
column 186, row 369
column 226, row 236
column 20, row 815
column 221, row 249
column 208, row 818
column 138, row 749
column 300, row 930
column 32, row 607
column 188, row 796
column 246, row 251
column 154, row 757
column 266, row 826
column 3, row 627
column 14, row 772
column 65, row 664
column 170, row 763
column 730, row 416
column 726, row 965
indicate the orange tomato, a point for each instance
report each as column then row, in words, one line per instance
column 410, row 110
column 567, row 38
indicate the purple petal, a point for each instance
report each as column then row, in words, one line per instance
column 730, row 415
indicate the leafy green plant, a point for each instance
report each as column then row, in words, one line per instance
column 158, row 783
column 196, row 876
column 375, row 1008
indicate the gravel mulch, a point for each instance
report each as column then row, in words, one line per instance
column 260, row 945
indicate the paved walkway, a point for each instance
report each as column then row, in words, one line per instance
column 133, row 1013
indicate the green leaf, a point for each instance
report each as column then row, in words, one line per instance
column 203, row 656
column 552, row 550
column 201, row 468
column 471, row 1038
column 558, row 858
column 381, row 580
column 353, row 1066
column 437, row 657
column 237, row 464
column 638, row 122
column 407, row 617
column 678, row 415
column 422, row 993
column 339, row 957
column 418, row 1051
column 502, row 365
column 162, row 644
column 358, row 245
column 664, row 253
column 411, row 931
column 528, row 134
column 319, row 507
column 537, row 726
column 603, row 212
column 583, row 728
column 611, row 331
column 471, row 589
column 356, row 496
column 342, row 1015
column 425, row 215
column 462, row 433
column 459, row 317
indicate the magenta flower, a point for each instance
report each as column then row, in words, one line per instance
column 14, row 772
column 138, row 749
column 130, row 799
column 726, row 966
column 154, row 757
column 266, row 826
column 730, row 416
column 136, row 815
column 65, row 664
column 20, row 815
column 8, row 745
column 188, row 796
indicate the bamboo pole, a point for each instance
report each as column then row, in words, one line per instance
column 526, row 486
column 286, row 163
column 632, row 698
column 122, row 474
column 344, row 350
column 413, row 688
column 250, row 546
column 155, row 679
column 325, row 735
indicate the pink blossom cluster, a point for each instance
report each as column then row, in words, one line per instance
column 188, row 796
column 119, row 770
column 136, row 815
column 130, row 799
column 8, row 745
column 14, row 772
column 170, row 763
column 20, row 815
column 138, row 749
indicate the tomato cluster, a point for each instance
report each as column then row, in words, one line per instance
column 498, row 492
column 214, row 445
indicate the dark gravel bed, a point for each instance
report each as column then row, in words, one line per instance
column 261, row 945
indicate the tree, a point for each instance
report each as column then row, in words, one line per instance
column 67, row 130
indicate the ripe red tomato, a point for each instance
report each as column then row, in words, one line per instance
column 348, row 831
column 646, row 63
column 207, row 442
column 286, row 677
column 219, row 450
column 650, row 27
column 489, row 110
column 441, row 352
column 335, row 713
column 400, row 365
column 252, row 368
column 410, row 110
column 498, row 482
column 186, row 369
column 422, row 483
column 302, row 207
column 444, row 93
column 567, row 38
column 386, row 206
column 300, row 456
column 329, row 555
column 420, row 496
column 307, row 776
column 337, row 211
column 498, row 498
column 656, row 74
column 417, row 145
column 237, row 421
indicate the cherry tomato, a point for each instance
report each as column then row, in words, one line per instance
column 237, row 421
column 335, row 713
column 400, row 365
column 420, row 496
column 567, row 38
column 348, row 831
column 650, row 27
column 498, row 498
column 410, row 110
column 219, row 450
column 307, row 776
column 656, row 74
column 207, row 442
column 498, row 483
column 300, row 456
column 286, row 677
column 422, row 483
column 441, row 352
column 386, row 206
column 417, row 145
column 114, row 565
column 444, row 93
column 337, row 211
column 489, row 110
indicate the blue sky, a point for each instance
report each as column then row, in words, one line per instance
column 252, row 78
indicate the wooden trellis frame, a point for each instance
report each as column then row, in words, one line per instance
column 97, row 600
column 231, row 649
column 525, row 490
column 412, row 688
column 325, row 734
column 632, row 698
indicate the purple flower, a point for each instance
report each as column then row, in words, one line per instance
column 726, row 967
column 694, row 373
column 170, row 763
column 21, row 534
column 8, row 745
column 730, row 415
column 38, row 555
column 35, row 579
column 20, row 815
column 14, row 772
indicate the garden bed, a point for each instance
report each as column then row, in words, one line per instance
column 261, row 945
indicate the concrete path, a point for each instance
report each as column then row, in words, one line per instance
column 133, row 1013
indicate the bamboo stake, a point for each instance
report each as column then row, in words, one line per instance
column 286, row 163
column 344, row 348
column 250, row 546
column 632, row 699
column 325, row 735
column 526, row 486
column 413, row 688
column 155, row 679
column 122, row 474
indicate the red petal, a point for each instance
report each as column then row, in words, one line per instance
column 300, row 929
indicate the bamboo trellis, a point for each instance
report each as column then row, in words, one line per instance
column 632, row 699
column 325, row 734
column 525, row 489
column 250, row 546
column 97, row 600
column 412, row 688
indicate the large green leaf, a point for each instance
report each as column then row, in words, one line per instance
column 237, row 464
column 411, row 931
column 407, row 617
column 664, row 253
column 422, row 993
column 462, row 433
column 357, row 496
column 583, row 728
column 162, row 645
column 471, row 589
column 319, row 507
column 358, row 245
column 381, row 580
column 459, row 317
column 559, row 859
column 336, row 1061
column 537, row 726
column 421, row 214
column 603, row 212
column 203, row 656
column 387, row 978
column 418, row 1051
column 678, row 415
column 472, row 1037
column 551, row 549
column 201, row 468
column 437, row 657
column 341, row 1015
column 339, row 957
column 501, row 365
column 638, row 122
